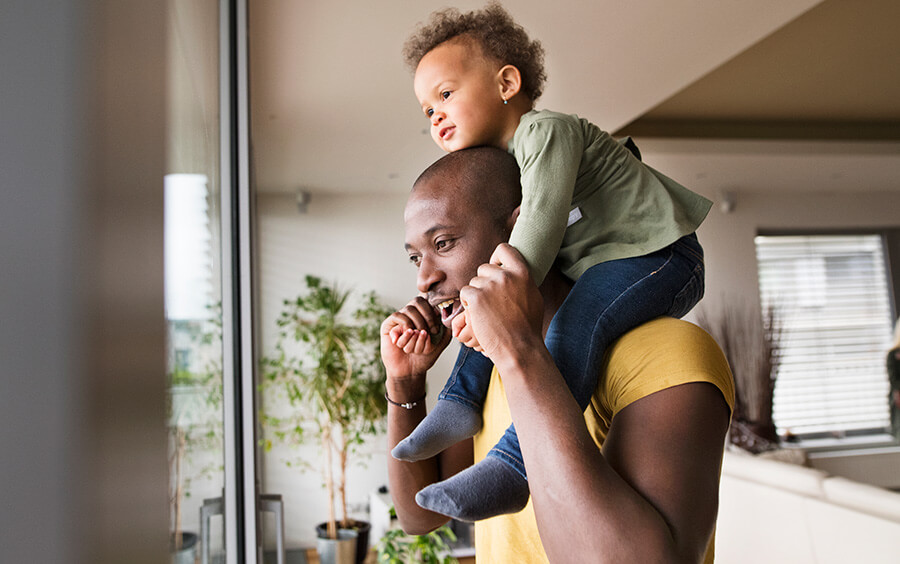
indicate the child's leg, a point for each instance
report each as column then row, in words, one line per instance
column 487, row 489
column 457, row 415
column 614, row 297
column 608, row 300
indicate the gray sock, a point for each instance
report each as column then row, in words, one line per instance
column 447, row 424
column 485, row 490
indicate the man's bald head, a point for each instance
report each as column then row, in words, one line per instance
column 485, row 179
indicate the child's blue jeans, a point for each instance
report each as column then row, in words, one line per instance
column 607, row 301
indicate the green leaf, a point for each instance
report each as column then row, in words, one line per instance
column 322, row 339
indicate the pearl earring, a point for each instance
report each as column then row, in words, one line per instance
column 504, row 101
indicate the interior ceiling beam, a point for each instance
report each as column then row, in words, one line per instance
column 763, row 129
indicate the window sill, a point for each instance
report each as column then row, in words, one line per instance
column 845, row 446
column 869, row 459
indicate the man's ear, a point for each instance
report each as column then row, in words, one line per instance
column 510, row 81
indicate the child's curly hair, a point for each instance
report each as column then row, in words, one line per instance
column 494, row 30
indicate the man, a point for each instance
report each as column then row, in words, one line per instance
column 660, row 412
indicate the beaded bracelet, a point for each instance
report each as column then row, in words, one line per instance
column 407, row 405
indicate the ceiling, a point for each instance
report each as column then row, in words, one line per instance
column 831, row 73
column 705, row 85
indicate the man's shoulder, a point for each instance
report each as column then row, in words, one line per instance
column 661, row 354
column 666, row 329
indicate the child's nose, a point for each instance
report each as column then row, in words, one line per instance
column 437, row 118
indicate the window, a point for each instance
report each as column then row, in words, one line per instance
column 832, row 298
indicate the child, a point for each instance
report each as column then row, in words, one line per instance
column 622, row 231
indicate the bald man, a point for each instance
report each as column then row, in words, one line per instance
column 634, row 478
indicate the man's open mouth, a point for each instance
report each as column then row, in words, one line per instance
column 449, row 309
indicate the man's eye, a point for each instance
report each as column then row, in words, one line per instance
column 414, row 259
column 442, row 244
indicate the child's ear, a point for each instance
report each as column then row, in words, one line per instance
column 511, row 220
column 510, row 81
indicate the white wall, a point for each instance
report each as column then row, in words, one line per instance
column 358, row 240
column 728, row 238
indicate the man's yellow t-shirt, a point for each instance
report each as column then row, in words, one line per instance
column 657, row 355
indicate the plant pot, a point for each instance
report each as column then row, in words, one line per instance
column 753, row 436
column 362, row 540
column 362, row 537
column 187, row 554
column 337, row 551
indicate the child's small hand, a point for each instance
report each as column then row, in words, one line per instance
column 462, row 332
column 503, row 303
column 411, row 339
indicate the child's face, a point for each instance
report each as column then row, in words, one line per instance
column 459, row 90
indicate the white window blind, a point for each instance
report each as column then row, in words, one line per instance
column 832, row 296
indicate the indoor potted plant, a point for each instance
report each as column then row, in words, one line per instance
column 325, row 382
column 751, row 343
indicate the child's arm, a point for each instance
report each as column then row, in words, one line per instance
column 549, row 153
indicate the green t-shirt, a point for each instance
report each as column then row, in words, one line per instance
column 586, row 199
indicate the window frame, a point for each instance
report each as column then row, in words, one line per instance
column 890, row 239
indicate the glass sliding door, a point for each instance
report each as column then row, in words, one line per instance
column 193, row 276
column 242, row 499
column 210, row 410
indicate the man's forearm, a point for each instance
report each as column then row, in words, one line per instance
column 407, row 478
column 570, row 480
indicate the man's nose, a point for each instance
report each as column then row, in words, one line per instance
column 427, row 275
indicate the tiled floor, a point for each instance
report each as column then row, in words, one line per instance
column 310, row 557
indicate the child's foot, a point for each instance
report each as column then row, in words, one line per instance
column 487, row 489
column 447, row 424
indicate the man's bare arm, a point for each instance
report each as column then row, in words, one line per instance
column 405, row 479
column 652, row 497
column 407, row 352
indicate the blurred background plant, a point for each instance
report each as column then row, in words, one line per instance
column 751, row 342
column 325, row 383
column 396, row 547
column 194, row 410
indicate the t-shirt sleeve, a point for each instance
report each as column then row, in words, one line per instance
column 549, row 151
column 681, row 353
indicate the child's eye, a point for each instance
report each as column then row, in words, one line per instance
column 445, row 94
column 429, row 112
